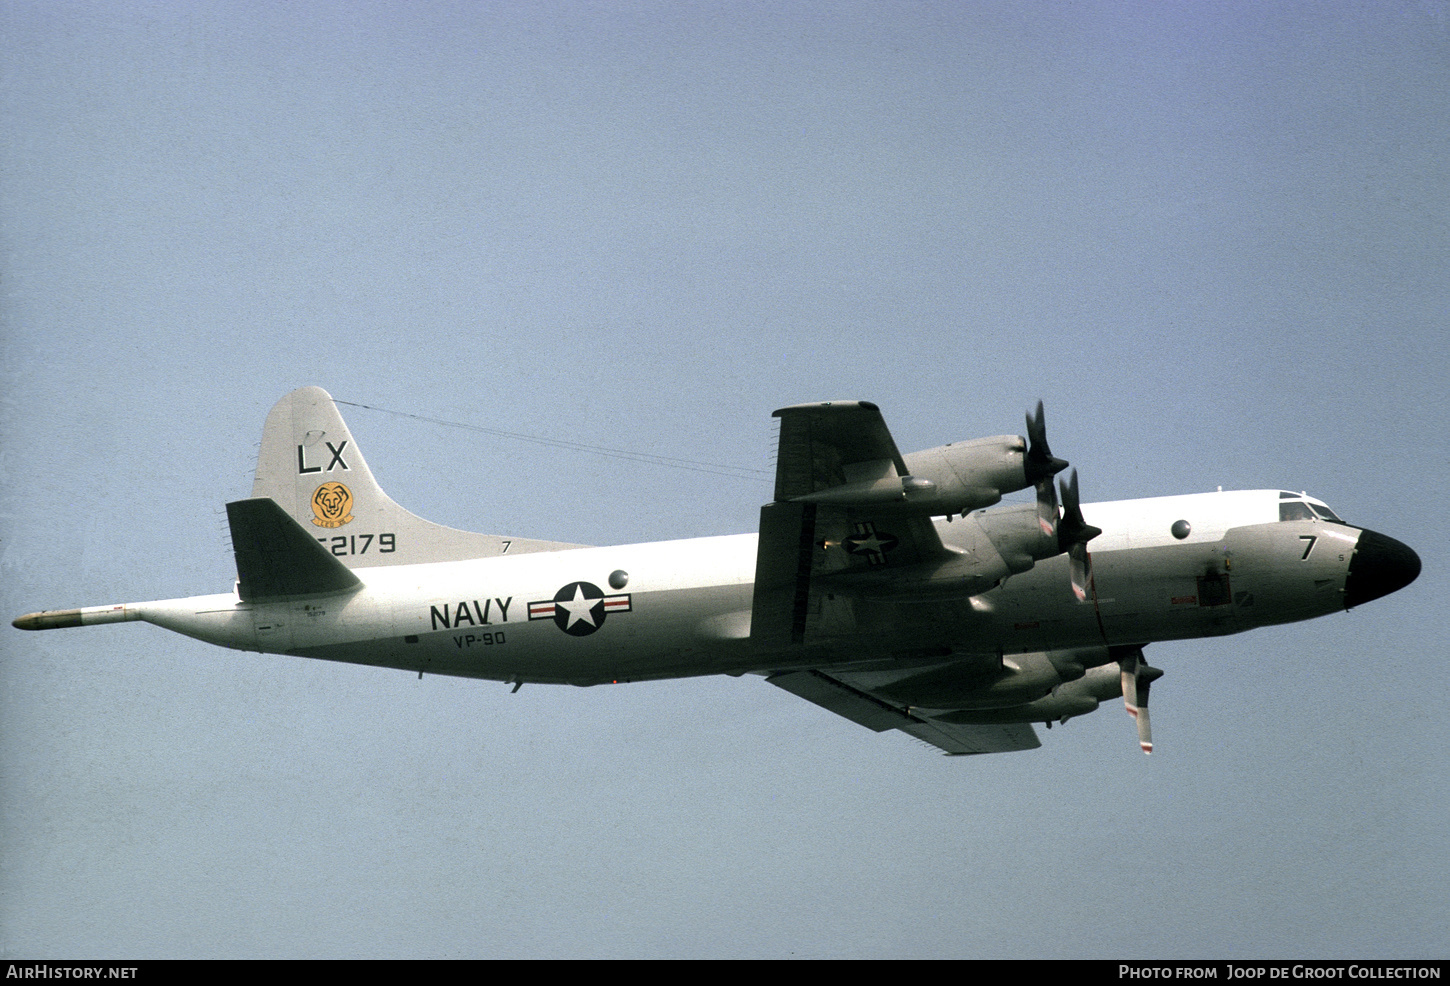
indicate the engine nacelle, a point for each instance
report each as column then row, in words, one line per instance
column 1020, row 679
column 973, row 565
column 966, row 476
column 987, row 547
column 1018, row 535
column 1075, row 698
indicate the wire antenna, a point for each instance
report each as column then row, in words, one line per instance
column 692, row 465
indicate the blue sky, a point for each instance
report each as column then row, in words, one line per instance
column 1212, row 238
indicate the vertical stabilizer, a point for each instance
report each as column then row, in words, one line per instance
column 313, row 468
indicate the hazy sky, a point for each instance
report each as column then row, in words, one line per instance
column 1211, row 236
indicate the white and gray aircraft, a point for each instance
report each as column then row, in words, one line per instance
column 893, row 590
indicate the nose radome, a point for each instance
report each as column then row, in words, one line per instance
column 1380, row 566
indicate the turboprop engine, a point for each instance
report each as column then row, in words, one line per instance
column 1026, row 534
column 990, row 544
column 1074, row 698
column 1018, row 535
column 1018, row 682
column 960, row 477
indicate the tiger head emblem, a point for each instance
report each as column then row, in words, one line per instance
column 332, row 505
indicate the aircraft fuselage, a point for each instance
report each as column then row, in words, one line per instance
column 679, row 608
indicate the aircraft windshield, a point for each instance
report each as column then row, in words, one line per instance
column 1295, row 510
column 1304, row 510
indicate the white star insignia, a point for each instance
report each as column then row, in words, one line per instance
column 580, row 608
column 872, row 543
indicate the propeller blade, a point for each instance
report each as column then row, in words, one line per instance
column 1047, row 507
column 1080, row 571
column 1138, row 678
column 1145, row 728
column 1073, row 529
column 1129, row 667
column 1073, row 535
column 1040, row 463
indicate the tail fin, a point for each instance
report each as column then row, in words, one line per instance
column 313, row 468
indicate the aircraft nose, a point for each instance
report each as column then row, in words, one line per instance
column 1380, row 566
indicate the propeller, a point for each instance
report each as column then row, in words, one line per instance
column 1073, row 535
column 1138, row 678
column 1039, row 466
column 1041, row 463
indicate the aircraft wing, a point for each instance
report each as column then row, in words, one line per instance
column 839, row 526
column 849, row 578
column 842, row 694
column 826, row 446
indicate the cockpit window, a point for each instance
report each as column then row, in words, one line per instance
column 1304, row 510
column 1295, row 510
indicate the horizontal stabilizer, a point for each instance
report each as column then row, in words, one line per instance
column 276, row 557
